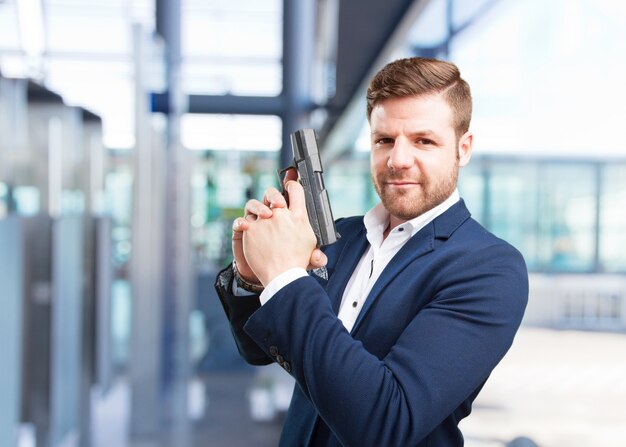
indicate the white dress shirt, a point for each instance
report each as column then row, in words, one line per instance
column 381, row 250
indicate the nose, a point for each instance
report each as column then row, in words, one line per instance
column 401, row 156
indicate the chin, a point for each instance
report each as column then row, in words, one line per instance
column 407, row 210
column 407, row 207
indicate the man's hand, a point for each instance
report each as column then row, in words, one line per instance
column 254, row 211
column 286, row 240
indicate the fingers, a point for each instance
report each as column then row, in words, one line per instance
column 318, row 258
column 274, row 199
column 255, row 209
column 297, row 202
column 239, row 226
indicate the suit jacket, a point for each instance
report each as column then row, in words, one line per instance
column 440, row 317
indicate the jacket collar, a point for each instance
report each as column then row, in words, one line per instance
column 422, row 242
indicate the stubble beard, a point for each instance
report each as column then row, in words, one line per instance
column 409, row 204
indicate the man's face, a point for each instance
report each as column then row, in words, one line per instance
column 415, row 155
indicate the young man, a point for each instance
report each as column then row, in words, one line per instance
column 420, row 302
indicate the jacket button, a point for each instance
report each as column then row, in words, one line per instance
column 286, row 366
column 273, row 351
column 279, row 359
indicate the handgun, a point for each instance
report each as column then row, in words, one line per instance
column 308, row 163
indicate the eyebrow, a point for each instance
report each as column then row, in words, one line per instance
column 419, row 133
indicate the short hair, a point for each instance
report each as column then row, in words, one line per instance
column 416, row 76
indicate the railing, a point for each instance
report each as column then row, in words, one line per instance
column 587, row 302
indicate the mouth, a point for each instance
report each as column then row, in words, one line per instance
column 401, row 183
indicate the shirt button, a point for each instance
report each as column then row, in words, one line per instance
column 273, row 351
column 401, row 229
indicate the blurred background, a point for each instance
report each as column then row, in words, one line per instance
column 132, row 133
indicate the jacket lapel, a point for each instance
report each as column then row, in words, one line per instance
column 420, row 244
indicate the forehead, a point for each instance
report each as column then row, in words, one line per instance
column 423, row 110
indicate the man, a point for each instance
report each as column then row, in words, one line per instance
column 420, row 302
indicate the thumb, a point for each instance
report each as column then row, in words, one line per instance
column 318, row 259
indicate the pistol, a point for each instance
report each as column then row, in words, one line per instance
column 308, row 163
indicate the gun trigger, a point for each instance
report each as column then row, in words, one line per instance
column 281, row 173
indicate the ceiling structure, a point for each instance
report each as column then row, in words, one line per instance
column 366, row 32
column 237, row 56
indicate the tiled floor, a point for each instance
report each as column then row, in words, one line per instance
column 226, row 421
column 558, row 388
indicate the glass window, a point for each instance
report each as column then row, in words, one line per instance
column 232, row 47
column 567, row 217
column 104, row 88
column 89, row 60
column 231, row 132
column 349, row 187
column 431, row 28
column 27, row 200
column 613, row 219
column 472, row 188
column 108, row 33
column 221, row 184
column 523, row 62
column 548, row 211
column 9, row 31
column 511, row 205
column 247, row 77
column 119, row 198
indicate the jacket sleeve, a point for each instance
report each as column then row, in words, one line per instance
column 443, row 355
column 238, row 309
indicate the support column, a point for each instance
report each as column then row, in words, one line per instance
column 298, row 58
column 177, row 270
column 146, row 261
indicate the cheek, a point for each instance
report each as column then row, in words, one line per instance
column 378, row 161
column 374, row 164
column 437, row 165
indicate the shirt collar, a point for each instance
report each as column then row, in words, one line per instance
column 376, row 220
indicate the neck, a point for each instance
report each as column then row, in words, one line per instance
column 393, row 223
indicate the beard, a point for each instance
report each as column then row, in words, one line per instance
column 408, row 204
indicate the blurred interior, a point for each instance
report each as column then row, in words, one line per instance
column 133, row 132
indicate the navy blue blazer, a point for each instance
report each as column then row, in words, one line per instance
column 440, row 317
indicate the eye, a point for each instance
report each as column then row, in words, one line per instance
column 425, row 142
column 383, row 141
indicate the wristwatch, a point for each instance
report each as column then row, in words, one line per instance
column 245, row 285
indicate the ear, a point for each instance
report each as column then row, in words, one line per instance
column 466, row 144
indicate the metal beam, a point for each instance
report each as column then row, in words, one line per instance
column 245, row 105
column 343, row 128
column 365, row 29
column 39, row 93
column 443, row 48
